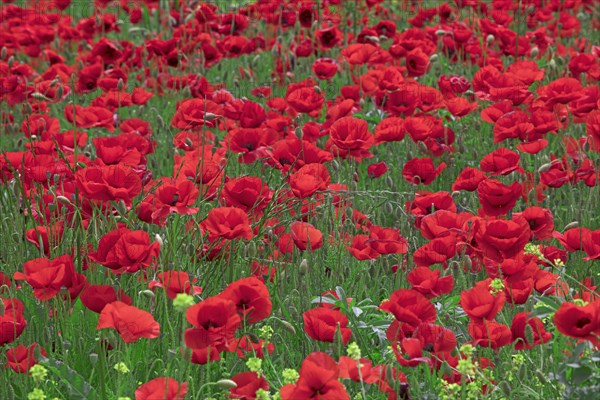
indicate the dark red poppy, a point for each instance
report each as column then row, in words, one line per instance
column 251, row 298
column 113, row 182
column 215, row 322
column 318, row 380
column 124, row 250
column 306, row 236
column 196, row 114
column 161, row 389
column 479, row 303
column 309, row 179
column 591, row 245
column 46, row 238
column 304, row 97
column 409, row 307
column 540, row 220
column 174, row 197
column 247, row 385
column 175, row 282
column 490, row 334
column 468, row 179
column 580, row 322
column 325, row 68
column 329, row 37
column 131, row 322
column 572, row 239
column 417, row 62
column 428, row 282
column 496, row 198
column 421, row 170
column 322, row 324
column 12, row 322
column 350, row 137
column 95, row 297
column 48, row 277
column 523, row 323
column 90, row 117
column 501, row 162
column 227, row 223
column 439, row 250
column 501, row 239
column 21, row 358
column 377, row 170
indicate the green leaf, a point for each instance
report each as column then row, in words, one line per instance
column 580, row 375
column 77, row 387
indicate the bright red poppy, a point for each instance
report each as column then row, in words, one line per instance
column 131, row 322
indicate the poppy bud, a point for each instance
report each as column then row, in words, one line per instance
column 545, row 167
column 226, row 384
column 534, row 52
column 3, row 53
column 11, row 61
column 433, row 58
column 64, row 201
column 505, row 387
column 147, row 293
column 571, row 225
column 159, row 239
column 289, row 327
column 489, row 39
column 303, row 267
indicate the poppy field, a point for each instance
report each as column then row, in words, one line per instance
column 289, row 200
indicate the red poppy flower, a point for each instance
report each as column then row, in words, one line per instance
column 196, row 114
column 439, row 250
column 95, row 297
column 468, row 179
column 325, row 68
column 496, row 198
column 387, row 240
column 227, row 223
column 573, row 238
column 521, row 323
column 350, row 137
column 215, row 322
column 318, row 380
column 501, row 239
column 308, row 180
column 513, row 125
column 21, row 358
column 113, row 182
column 358, row 370
column 329, row 37
column 161, row 389
column 360, row 248
column 409, row 307
column 48, row 277
column 479, row 303
column 580, row 322
column 421, row 170
column 247, row 385
column 428, row 282
column 249, row 193
column 501, row 162
column 417, row 62
column 12, row 322
column 303, row 97
column 591, row 245
column 322, row 323
column 540, row 220
column 46, row 238
column 90, row 117
column 306, row 236
column 124, row 250
column 176, row 282
column 131, row 322
column 390, row 129
column 251, row 298
column 174, row 196
column 490, row 334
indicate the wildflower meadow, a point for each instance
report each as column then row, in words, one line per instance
column 299, row 199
